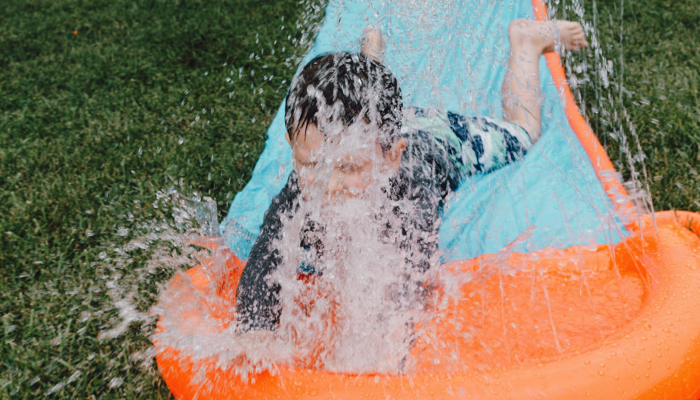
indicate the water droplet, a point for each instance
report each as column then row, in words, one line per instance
column 115, row 382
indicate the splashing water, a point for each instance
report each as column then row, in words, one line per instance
column 357, row 313
column 361, row 293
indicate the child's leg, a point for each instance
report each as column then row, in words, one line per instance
column 373, row 43
column 522, row 100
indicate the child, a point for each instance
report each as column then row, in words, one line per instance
column 350, row 135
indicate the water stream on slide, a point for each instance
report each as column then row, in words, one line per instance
column 368, row 307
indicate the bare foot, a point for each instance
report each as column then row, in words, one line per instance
column 373, row 43
column 542, row 36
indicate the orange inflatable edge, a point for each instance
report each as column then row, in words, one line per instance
column 656, row 356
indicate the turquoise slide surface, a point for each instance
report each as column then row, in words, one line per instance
column 452, row 55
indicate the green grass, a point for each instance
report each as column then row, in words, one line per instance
column 92, row 124
column 660, row 73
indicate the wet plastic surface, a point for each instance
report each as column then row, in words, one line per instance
column 652, row 349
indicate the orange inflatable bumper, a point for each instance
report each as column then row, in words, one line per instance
column 651, row 352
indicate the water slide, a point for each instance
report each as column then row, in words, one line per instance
column 452, row 56
column 561, row 211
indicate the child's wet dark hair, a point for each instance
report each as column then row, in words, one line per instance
column 351, row 86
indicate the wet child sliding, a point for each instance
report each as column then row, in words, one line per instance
column 358, row 149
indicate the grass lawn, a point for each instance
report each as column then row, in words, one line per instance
column 105, row 102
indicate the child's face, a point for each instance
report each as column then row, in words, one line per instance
column 338, row 166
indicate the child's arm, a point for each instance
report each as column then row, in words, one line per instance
column 257, row 299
